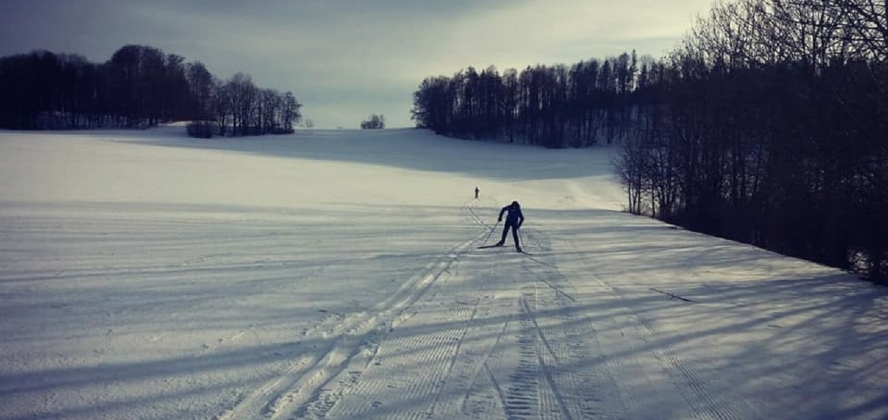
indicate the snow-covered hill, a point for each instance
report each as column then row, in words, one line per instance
column 336, row 274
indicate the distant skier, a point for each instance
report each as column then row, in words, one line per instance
column 513, row 221
column 476, row 192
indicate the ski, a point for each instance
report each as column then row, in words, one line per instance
column 500, row 246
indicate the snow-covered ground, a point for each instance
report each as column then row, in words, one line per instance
column 336, row 274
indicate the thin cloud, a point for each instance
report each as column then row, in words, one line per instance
column 371, row 55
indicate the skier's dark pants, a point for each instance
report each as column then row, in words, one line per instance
column 514, row 235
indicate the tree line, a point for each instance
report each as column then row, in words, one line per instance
column 770, row 126
column 553, row 106
column 767, row 125
column 139, row 86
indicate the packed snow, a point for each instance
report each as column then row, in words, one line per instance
column 336, row 274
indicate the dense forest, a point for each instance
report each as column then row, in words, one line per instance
column 138, row 87
column 767, row 125
column 553, row 106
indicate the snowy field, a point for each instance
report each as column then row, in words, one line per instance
column 336, row 274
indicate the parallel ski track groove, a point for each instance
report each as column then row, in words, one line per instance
column 537, row 329
column 301, row 385
column 547, row 368
column 589, row 402
column 496, row 386
column 464, row 370
column 561, row 372
column 572, row 374
column 442, row 342
column 482, row 367
column 452, row 359
column 547, row 283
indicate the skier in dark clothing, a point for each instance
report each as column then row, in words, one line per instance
column 514, row 221
column 476, row 192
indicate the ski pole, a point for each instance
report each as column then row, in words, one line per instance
column 491, row 232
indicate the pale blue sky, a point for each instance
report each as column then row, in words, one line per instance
column 345, row 60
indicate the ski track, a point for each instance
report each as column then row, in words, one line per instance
column 452, row 360
column 555, row 376
column 510, row 341
column 141, row 296
column 313, row 384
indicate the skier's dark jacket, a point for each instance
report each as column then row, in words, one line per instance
column 515, row 217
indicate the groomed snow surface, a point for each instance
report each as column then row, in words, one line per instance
column 336, row 274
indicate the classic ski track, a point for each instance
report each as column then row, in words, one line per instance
column 518, row 394
column 583, row 381
column 321, row 400
column 452, row 360
column 602, row 390
column 313, row 386
column 594, row 377
column 463, row 368
column 571, row 372
column 445, row 362
column 326, row 399
column 301, row 384
column 547, row 283
column 445, row 359
column 437, row 360
column 697, row 392
column 496, row 386
column 483, row 368
column 536, row 327
column 545, row 384
column 470, row 365
column 526, row 397
column 468, row 208
column 479, row 401
column 564, row 342
column 558, row 355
